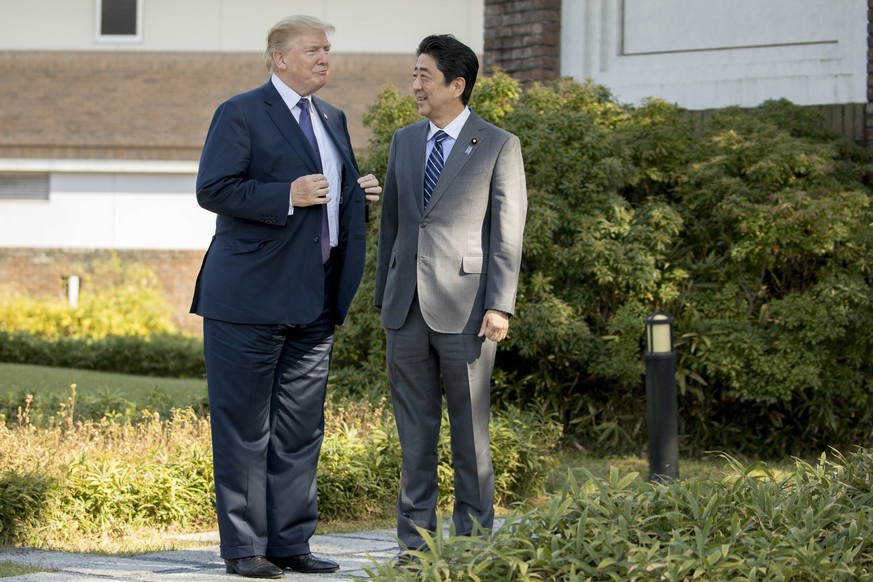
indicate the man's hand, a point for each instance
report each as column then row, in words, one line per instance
column 309, row 190
column 371, row 187
column 495, row 324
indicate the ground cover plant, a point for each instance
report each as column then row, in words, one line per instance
column 809, row 523
column 74, row 483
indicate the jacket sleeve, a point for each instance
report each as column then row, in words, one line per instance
column 388, row 225
column 508, row 214
column 225, row 184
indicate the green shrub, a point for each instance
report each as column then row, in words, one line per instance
column 754, row 230
column 159, row 354
column 116, row 299
column 811, row 524
column 24, row 494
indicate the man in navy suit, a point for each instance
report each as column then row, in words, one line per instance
column 278, row 170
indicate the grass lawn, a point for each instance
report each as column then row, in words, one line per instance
column 16, row 380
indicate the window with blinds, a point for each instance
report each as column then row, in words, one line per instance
column 30, row 186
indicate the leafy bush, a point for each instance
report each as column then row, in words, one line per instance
column 23, row 495
column 753, row 230
column 117, row 299
column 811, row 524
column 158, row 354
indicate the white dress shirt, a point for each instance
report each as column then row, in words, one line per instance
column 330, row 159
column 453, row 130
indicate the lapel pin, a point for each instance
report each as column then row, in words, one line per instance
column 468, row 150
column 474, row 141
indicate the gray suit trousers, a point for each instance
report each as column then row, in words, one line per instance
column 418, row 358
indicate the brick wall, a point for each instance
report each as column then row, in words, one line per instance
column 523, row 37
column 869, row 112
column 42, row 273
column 135, row 105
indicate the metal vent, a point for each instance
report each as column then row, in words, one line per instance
column 24, row 186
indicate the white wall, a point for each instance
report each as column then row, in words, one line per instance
column 362, row 26
column 110, row 209
column 704, row 54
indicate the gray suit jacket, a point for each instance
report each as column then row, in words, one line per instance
column 463, row 253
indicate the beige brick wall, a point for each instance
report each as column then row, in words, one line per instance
column 156, row 106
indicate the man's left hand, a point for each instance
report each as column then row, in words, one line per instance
column 371, row 187
column 495, row 324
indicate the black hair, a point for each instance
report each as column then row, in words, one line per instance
column 453, row 58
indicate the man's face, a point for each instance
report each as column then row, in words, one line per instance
column 436, row 101
column 305, row 64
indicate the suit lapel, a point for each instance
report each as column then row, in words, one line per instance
column 331, row 124
column 418, row 148
column 464, row 149
column 288, row 126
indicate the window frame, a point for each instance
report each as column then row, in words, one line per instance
column 117, row 38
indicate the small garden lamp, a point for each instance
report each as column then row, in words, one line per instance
column 661, row 406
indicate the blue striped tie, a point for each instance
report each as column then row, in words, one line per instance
column 434, row 165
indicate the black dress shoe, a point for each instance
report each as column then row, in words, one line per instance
column 306, row 563
column 253, row 567
column 404, row 559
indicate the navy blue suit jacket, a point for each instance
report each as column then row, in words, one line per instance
column 264, row 266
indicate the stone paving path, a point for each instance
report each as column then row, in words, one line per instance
column 353, row 552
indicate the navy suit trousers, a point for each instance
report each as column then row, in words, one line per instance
column 267, row 386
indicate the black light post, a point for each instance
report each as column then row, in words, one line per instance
column 661, row 405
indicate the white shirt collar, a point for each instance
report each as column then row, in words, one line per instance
column 289, row 95
column 454, row 128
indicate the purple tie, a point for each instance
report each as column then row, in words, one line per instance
column 306, row 126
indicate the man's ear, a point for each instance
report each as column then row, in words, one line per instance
column 279, row 61
column 458, row 86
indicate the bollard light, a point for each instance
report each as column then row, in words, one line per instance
column 661, row 404
column 659, row 333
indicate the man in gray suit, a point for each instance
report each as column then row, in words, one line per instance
column 453, row 214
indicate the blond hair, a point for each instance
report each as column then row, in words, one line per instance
column 287, row 29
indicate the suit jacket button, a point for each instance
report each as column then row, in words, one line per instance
column 315, row 239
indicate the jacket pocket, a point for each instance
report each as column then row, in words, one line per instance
column 241, row 247
column 473, row 264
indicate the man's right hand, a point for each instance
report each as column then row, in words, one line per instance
column 309, row 190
